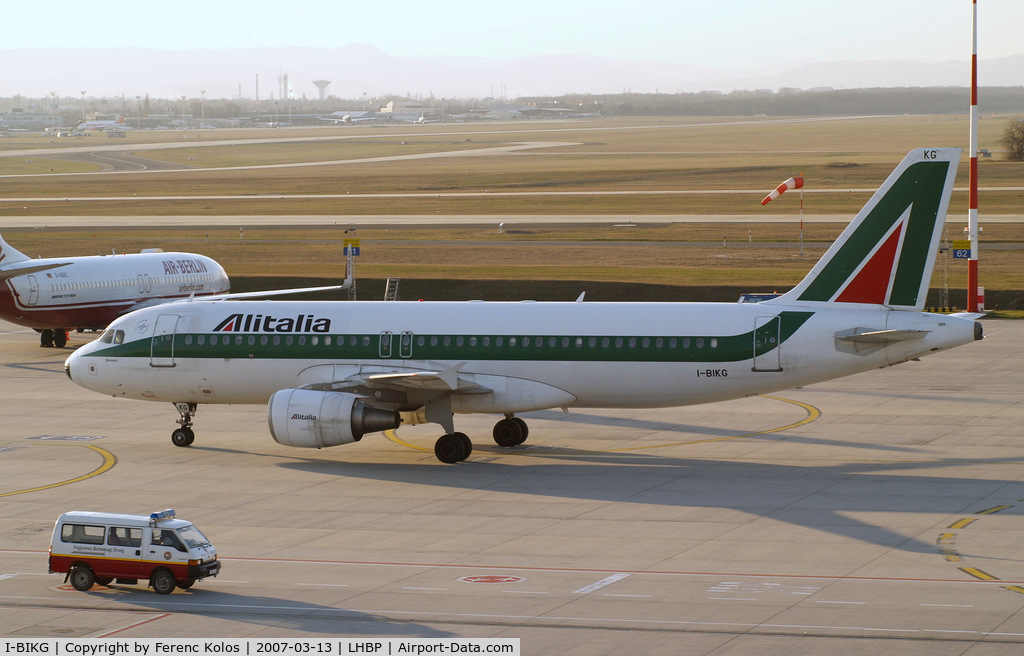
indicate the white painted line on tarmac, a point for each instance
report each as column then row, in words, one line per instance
column 842, row 602
column 608, row 594
column 608, row 580
column 326, row 585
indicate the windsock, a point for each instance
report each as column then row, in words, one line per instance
column 792, row 183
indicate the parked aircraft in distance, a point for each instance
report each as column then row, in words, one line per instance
column 100, row 126
column 331, row 372
column 346, row 118
column 53, row 295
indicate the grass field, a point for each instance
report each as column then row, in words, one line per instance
column 725, row 165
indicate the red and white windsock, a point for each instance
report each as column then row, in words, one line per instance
column 792, row 183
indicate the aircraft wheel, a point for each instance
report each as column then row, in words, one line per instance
column 60, row 338
column 450, row 448
column 524, row 427
column 466, row 443
column 82, row 578
column 507, row 432
column 183, row 437
column 46, row 338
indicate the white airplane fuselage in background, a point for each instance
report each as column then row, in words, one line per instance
column 100, row 126
column 331, row 371
column 53, row 295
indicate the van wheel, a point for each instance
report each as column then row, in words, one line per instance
column 162, row 581
column 82, row 578
column 186, row 584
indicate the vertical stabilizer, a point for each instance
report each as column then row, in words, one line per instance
column 887, row 254
column 9, row 255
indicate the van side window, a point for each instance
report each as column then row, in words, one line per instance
column 82, row 533
column 120, row 536
column 167, row 538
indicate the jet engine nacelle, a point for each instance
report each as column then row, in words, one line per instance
column 315, row 419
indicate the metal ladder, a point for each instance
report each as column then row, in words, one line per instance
column 391, row 291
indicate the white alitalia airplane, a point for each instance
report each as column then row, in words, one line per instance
column 332, row 371
column 53, row 295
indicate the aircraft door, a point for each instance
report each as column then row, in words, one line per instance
column 33, row 291
column 766, row 344
column 162, row 349
column 405, row 345
column 385, row 344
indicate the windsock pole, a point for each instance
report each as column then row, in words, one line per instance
column 801, row 218
column 972, row 212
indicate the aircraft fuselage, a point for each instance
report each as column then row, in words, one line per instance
column 510, row 357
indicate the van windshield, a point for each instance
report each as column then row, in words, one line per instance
column 193, row 537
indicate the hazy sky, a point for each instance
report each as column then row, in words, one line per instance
column 730, row 33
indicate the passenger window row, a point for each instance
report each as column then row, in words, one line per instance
column 130, row 282
column 459, row 341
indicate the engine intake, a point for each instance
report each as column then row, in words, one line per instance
column 315, row 419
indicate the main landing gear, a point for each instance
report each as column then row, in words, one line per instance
column 55, row 337
column 455, row 447
column 184, row 436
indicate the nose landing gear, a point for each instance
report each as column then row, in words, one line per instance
column 184, row 436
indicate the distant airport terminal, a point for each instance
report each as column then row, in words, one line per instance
column 62, row 123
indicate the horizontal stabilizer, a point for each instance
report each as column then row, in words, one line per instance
column 7, row 274
column 869, row 336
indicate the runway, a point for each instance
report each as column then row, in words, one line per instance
column 880, row 512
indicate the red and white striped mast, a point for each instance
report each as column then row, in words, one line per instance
column 972, row 212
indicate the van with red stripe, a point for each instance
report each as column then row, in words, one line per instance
column 97, row 547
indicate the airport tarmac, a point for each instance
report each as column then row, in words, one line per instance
column 882, row 512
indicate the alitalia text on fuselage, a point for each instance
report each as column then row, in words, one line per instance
column 259, row 323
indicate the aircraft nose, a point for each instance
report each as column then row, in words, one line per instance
column 67, row 368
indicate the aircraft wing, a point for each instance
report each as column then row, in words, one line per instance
column 272, row 292
column 347, row 283
column 7, row 274
column 447, row 380
column 412, row 381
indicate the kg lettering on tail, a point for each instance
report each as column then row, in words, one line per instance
column 331, row 372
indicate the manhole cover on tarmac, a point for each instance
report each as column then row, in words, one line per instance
column 492, row 578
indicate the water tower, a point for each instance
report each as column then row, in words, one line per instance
column 322, row 85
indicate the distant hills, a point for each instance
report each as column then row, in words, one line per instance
column 360, row 70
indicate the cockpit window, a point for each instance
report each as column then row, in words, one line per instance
column 111, row 336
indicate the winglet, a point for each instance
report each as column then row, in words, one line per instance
column 887, row 253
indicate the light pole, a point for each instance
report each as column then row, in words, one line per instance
column 83, row 107
column 202, row 108
column 138, row 112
